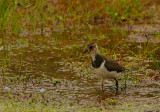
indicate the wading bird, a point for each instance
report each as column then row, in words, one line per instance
column 105, row 68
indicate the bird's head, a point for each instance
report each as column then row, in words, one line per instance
column 91, row 48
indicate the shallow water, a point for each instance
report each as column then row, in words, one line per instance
column 59, row 55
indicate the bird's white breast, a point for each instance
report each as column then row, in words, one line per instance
column 104, row 73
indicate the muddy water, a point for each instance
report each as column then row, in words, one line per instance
column 53, row 56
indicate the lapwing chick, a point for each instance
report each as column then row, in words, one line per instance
column 104, row 67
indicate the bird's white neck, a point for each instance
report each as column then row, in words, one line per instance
column 93, row 55
column 94, row 52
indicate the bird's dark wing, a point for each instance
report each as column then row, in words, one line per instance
column 112, row 65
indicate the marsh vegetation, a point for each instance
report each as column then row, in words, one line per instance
column 42, row 65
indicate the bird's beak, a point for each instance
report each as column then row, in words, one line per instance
column 86, row 50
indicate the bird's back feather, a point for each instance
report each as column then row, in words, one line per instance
column 111, row 65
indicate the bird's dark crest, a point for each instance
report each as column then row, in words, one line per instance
column 91, row 44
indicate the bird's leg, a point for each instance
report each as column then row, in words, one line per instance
column 116, row 84
column 102, row 86
column 102, row 83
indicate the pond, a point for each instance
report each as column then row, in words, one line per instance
column 52, row 68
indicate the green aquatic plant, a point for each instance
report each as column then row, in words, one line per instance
column 111, row 101
column 154, row 60
column 17, row 16
column 54, row 81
